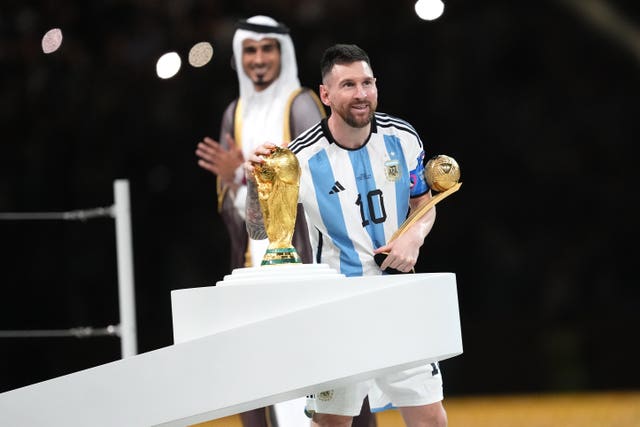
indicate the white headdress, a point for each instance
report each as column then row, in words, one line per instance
column 257, row 28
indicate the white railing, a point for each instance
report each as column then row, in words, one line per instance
column 121, row 212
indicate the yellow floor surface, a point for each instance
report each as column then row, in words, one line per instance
column 613, row 409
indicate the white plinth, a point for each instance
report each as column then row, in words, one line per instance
column 246, row 345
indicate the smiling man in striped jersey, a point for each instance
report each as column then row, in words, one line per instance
column 361, row 173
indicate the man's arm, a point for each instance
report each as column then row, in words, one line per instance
column 404, row 250
column 254, row 220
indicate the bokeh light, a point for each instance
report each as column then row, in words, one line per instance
column 168, row 65
column 429, row 9
column 200, row 54
column 52, row 40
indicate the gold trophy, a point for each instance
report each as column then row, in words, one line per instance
column 278, row 179
column 443, row 175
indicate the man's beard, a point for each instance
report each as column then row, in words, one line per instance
column 352, row 121
column 261, row 82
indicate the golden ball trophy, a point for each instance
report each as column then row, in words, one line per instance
column 443, row 175
column 278, row 179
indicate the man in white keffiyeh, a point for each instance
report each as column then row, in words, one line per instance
column 272, row 106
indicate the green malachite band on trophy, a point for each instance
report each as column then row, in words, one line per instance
column 280, row 250
column 281, row 256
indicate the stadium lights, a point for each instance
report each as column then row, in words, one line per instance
column 429, row 9
column 52, row 40
column 168, row 65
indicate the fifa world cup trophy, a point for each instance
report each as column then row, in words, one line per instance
column 278, row 179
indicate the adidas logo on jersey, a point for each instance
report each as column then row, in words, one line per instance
column 337, row 187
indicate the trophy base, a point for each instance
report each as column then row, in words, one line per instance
column 278, row 256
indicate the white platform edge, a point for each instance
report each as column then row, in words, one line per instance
column 194, row 381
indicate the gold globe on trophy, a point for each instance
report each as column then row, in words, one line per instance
column 278, row 179
column 442, row 172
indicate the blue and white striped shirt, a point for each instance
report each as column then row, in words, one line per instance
column 355, row 199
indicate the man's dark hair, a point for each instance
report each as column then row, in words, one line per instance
column 341, row 54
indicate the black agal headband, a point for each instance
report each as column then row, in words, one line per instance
column 259, row 28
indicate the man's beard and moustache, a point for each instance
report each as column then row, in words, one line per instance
column 355, row 122
column 261, row 82
column 258, row 75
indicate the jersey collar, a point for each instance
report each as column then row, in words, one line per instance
column 324, row 124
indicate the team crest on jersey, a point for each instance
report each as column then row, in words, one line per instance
column 392, row 170
column 326, row 395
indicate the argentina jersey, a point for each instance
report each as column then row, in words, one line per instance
column 355, row 199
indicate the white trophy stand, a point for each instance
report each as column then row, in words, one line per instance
column 262, row 336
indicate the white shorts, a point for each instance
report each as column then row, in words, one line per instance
column 412, row 387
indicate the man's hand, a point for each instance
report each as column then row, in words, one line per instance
column 257, row 157
column 218, row 160
column 402, row 253
column 253, row 214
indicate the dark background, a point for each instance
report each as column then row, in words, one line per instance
column 537, row 102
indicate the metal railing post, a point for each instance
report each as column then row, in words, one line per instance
column 124, row 247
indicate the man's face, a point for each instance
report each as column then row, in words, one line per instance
column 261, row 61
column 350, row 91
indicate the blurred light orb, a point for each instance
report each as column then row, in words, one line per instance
column 52, row 40
column 200, row 54
column 429, row 9
column 168, row 65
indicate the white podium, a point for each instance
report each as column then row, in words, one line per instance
column 258, row 338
